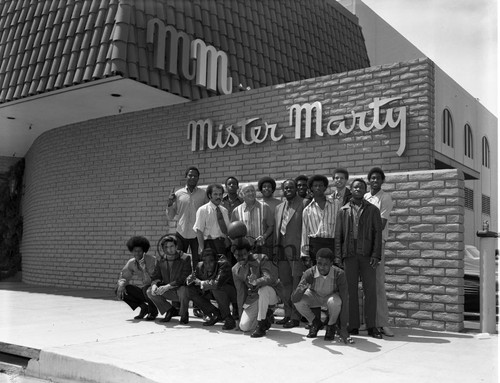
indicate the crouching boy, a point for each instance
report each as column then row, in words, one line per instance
column 323, row 285
column 212, row 279
column 256, row 280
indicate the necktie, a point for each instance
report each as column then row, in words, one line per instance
column 220, row 220
column 285, row 219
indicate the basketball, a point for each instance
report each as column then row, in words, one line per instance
column 236, row 229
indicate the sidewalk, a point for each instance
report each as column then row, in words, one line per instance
column 75, row 335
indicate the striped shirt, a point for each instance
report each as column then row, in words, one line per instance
column 317, row 222
column 256, row 218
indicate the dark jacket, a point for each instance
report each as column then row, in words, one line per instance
column 221, row 275
column 369, row 243
column 266, row 273
column 340, row 287
column 174, row 274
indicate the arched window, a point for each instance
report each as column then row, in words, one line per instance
column 468, row 142
column 447, row 128
column 486, row 152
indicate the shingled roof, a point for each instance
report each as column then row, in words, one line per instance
column 47, row 44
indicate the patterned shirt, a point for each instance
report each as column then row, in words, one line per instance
column 257, row 218
column 317, row 222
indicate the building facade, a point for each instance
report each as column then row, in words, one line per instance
column 92, row 183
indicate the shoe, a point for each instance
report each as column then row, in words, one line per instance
column 229, row 323
column 283, row 321
column 386, row 331
column 314, row 328
column 172, row 311
column 197, row 313
column 261, row 329
column 143, row 313
column 151, row 317
column 269, row 319
column 374, row 333
column 331, row 329
column 184, row 319
column 291, row 323
column 213, row 319
column 354, row 331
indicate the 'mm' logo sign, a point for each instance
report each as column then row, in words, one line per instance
column 179, row 55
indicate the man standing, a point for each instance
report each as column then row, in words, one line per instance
column 169, row 281
column 288, row 219
column 342, row 193
column 184, row 203
column 358, row 244
column 231, row 199
column 267, row 186
column 256, row 281
column 212, row 221
column 257, row 217
column 302, row 189
column 383, row 201
column 318, row 221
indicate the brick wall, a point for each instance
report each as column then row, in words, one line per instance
column 90, row 186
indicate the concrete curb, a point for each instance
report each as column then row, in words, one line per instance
column 62, row 368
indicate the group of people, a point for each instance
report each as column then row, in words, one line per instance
column 236, row 257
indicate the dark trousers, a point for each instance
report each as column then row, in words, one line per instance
column 184, row 244
column 224, row 296
column 288, row 284
column 137, row 296
column 319, row 243
column 220, row 246
column 354, row 267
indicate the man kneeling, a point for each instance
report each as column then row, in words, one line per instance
column 256, row 280
column 212, row 279
column 323, row 285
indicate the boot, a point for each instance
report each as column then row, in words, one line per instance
column 261, row 329
column 144, row 311
column 313, row 330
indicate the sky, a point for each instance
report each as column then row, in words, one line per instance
column 460, row 36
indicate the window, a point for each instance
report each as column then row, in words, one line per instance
column 469, row 198
column 486, row 152
column 468, row 143
column 485, row 204
column 447, row 128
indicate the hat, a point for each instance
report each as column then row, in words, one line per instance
column 264, row 180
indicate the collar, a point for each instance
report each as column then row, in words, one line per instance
column 317, row 274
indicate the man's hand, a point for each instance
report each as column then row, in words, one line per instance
column 252, row 279
column 171, row 197
column 163, row 289
column 121, row 292
column 154, row 290
column 374, row 262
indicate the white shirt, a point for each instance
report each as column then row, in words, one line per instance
column 383, row 201
column 207, row 223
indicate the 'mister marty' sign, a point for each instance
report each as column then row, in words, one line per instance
column 203, row 133
column 189, row 59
